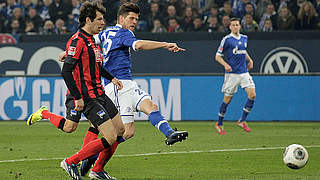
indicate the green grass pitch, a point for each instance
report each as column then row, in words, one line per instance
column 34, row 153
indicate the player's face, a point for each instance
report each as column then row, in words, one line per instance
column 235, row 27
column 130, row 21
column 97, row 24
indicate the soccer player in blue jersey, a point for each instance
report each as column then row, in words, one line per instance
column 233, row 56
column 116, row 42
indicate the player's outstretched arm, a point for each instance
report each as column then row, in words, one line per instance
column 150, row 45
column 173, row 47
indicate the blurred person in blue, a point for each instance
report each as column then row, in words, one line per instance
column 7, row 11
column 44, row 10
column 239, row 7
column 233, row 56
column 26, row 5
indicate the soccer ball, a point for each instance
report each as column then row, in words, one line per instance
column 295, row 156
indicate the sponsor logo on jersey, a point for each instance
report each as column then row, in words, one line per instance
column 284, row 60
column 98, row 54
column 72, row 50
column 236, row 51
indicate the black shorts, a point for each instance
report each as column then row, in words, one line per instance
column 99, row 110
column 72, row 114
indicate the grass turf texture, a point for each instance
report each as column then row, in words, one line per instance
column 41, row 147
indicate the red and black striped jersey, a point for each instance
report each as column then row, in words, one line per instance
column 85, row 55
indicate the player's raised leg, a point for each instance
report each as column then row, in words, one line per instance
column 66, row 125
column 36, row 116
column 157, row 120
column 247, row 109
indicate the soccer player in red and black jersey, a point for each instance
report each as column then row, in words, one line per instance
column 82, row 73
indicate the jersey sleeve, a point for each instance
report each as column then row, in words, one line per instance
column 222, row 46
column 73, row 51
column 128, row 39
column 246, row 42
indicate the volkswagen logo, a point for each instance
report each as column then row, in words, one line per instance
column 284, row 60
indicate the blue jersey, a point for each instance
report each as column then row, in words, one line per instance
column 234, row 50
column 116, row 43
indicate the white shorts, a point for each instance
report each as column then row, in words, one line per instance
column 128, row 99
column 232, row 81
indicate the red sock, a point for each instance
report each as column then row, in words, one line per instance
column 104, row 158
column 53, row 118
column 92, row 148
column 92, row 134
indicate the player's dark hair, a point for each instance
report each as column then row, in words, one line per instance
column 89, row 9
column 126, row 8
column 235, row 19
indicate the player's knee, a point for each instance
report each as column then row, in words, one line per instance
column 128, row 135
column 111, row 139
column 121, row 130
column 227, row 99
column 252, row 96
column 70, row 127
column 155, row 107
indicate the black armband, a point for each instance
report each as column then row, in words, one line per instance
column 106, row 74
column 68, row 79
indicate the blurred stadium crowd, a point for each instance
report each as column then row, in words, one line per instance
column 61, row 16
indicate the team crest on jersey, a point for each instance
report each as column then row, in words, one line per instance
column 73, row 112
column 72, row 50
column 128, row 109
column 239, row 42
column 101, row 113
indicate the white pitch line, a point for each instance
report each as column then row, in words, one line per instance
column 165, row 153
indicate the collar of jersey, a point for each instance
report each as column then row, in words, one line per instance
column 232, row 35
column 85, row 33
column 119, row 25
